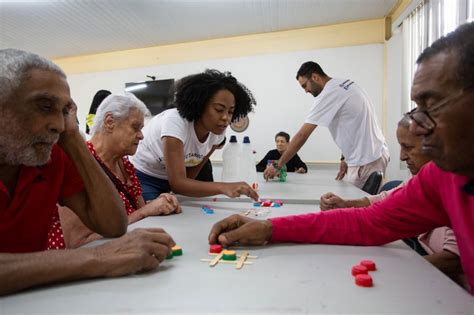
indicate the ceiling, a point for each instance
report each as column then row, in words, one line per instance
column 61, row 28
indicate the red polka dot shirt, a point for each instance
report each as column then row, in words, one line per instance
column 132, row 186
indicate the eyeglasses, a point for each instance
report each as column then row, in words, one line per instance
column 424, row 119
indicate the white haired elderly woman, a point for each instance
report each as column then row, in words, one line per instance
column 116, row 133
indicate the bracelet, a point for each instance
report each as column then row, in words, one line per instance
column 275, row 165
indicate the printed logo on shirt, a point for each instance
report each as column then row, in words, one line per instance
column 193, row 155
column 346, row 84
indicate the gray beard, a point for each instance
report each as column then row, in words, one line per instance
column 26, row 156
column 18, row 148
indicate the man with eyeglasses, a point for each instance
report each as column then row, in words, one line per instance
column 345, row 109
column 441, row 194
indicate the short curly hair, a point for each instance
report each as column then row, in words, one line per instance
column 193, row 92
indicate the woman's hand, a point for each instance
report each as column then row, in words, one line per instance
column 234, row 190
column 165, row 204
column 301, row 170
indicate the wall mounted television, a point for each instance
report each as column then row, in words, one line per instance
column 157, row 95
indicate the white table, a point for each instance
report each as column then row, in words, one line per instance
column 300, row 188
column 285, row 279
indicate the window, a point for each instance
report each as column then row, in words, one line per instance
column 470, row 11
column 430, row 20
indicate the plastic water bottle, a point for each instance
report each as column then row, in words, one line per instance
column 231, row 163
column 282, row 177
column 247, row 162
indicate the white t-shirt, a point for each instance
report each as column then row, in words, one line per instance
column 345, row 109
column 149, row 158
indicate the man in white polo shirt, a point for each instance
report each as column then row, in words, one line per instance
column 345, row 109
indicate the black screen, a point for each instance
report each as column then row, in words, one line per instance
column 157, row 95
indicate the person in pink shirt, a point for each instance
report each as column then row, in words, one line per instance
column 442, row 193
column 439, row 245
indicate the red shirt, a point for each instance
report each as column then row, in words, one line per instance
column 431, row 199
column 26, row 217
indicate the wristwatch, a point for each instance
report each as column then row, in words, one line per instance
column 275, row 165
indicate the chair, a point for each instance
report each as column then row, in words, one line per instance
column 372, row 184
column 415, row 245
column 390, row 185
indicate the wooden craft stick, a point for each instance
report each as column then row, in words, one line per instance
column 226, row 261
column 238, row 255
column 242, row 259
column 215, row 260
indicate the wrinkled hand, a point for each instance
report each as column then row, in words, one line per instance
column 342, row 170
column 301, row 170
column 331, row 201
column 165, row 204
column 240, row 229
column 71, row 128
column 173, row 201
column 140, row 250
column 270, row 172
column 234, row 190
column 70, row 120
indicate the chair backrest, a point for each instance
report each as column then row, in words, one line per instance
column 390, row 185
column 372, row 184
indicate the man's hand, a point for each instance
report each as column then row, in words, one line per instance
column 342, row 170
column 240, row 229
column 301, row 170
column 70, row 123
column 234, row 190
column 140, row 250
column 331, row 201
column 70, row 119
column 270, row 172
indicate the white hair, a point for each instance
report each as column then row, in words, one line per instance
column 14, row 67
column 119, row 106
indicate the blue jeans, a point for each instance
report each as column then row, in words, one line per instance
column 152, row 187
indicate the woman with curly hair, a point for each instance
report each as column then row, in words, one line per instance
column 179, row 141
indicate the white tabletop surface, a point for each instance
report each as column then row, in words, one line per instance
column 284, row 279
column 300, row 188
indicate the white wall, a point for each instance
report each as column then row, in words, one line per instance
column 281, row 103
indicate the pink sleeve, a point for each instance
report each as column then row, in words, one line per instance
column 438, row 240
column 450, row 243
column 379, row 197
column 407, row 212
column 383, row 194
